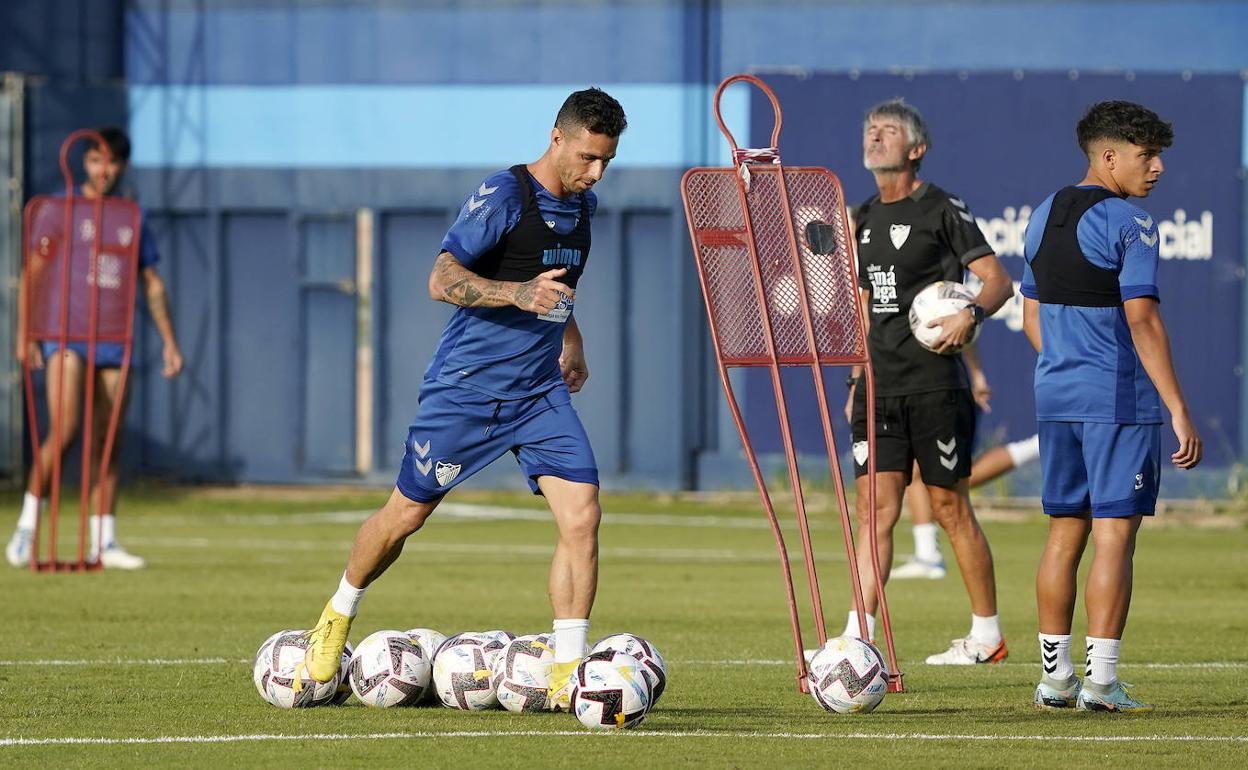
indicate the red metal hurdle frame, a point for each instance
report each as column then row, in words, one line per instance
column 57, row 281
column 775, row 261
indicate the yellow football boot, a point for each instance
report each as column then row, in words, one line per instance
column 559, row 693
column 326, row 642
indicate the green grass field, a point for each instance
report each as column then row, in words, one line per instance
column 153, row 668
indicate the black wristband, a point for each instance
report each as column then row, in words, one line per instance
column 977, row 312
column 850, row 381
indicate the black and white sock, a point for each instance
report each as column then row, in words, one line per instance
column 1055, row 656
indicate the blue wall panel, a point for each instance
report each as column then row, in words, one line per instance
column 262, row 352
column 328, row 339
column 174, row 424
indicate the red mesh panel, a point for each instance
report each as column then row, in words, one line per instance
column 114, row 272
column 713, row 205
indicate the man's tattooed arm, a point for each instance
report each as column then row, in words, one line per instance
column 453, row 283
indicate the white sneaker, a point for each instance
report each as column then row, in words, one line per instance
column 968, row 652
column 116, row 557
column 17, row 552
column 918, row 568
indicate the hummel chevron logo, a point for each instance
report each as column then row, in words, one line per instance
column 1146, row 222
column 474, row 204
column 1049, row 646
column 1148, row 240
column 422, row 451
column 484, row 191
column 947, row 456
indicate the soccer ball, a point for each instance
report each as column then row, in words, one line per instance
column 429, row 641
column 389, row 669
column 936, row 301
column 848, row 676
column 461, row 671
column 651, row 661
column 521, row 673
column 274, row 673
column 344, row 682
column 503, row 636
column 610, row 691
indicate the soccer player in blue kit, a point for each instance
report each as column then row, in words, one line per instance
column 501, row 377
column 1090, row 309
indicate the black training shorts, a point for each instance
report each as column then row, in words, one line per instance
column 935, row 428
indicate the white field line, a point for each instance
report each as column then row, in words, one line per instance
column 634, row 734
column 499, row 549
column 466, row 512
column 1216, row 664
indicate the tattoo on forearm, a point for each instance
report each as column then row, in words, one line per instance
column 465, row 288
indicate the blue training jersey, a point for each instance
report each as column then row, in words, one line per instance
column 1088, row 369
column 503, row 352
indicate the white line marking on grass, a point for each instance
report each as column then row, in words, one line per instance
column 125, row 662
column 638, row 734
column 714, row 555
column 1216, row 664
column 769, row 662
column 463, row 512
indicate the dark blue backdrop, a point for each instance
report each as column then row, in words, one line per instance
column 1003, row 143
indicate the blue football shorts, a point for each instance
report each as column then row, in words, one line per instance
column 458, row 431
column 1105, row 468
column 107, row 354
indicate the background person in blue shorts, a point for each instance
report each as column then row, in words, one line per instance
column 1090, row 309
column 69, row 366
column 501, row 377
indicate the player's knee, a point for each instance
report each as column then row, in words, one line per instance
column 406, row 516
column 951, row 510
column 579, row 522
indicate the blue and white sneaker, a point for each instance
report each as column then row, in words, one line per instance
column 1111, row 697
column 1058, row 694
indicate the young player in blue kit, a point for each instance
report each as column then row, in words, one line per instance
column 1090, row 309
column 501, row 377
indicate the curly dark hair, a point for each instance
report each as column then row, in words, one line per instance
column 1123, row 121
column 594, row 110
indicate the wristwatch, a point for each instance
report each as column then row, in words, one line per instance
column 977, row 313
column 850, row 381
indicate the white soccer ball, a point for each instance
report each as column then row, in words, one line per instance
column 274, row 673
column 429, row 641
column 521, row 673
column 610, row 691
column 389, row 669
column 651, row 661
column 848, row 676
column 461, row 671
column 936, row 301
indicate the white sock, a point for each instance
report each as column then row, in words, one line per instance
column 1025, row 451
column 347, row 598
column 103, row 528
column 30, row 512
column 925, row 546
column 851, row 626
column 570, row 636
column 986, row 631
column 1055, row 656
column 1102, row 660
